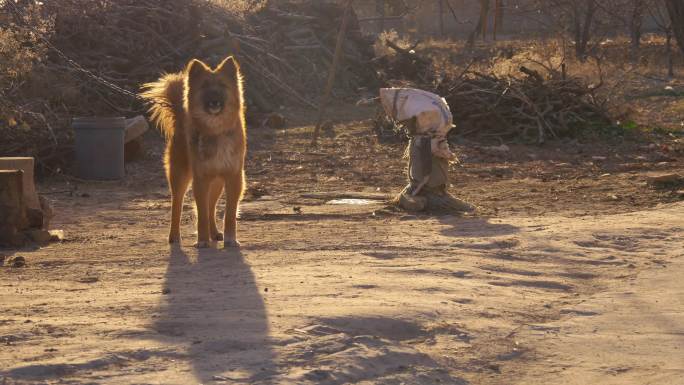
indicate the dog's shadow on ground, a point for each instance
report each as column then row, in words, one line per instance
column 213, row 306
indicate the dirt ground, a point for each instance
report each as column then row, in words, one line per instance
column 570, row 272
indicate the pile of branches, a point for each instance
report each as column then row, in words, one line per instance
column 529, row 106
column 98, row 53
column 403, row 64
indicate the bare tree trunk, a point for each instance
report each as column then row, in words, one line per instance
column 481, row 27
column 635, row 27
column 484, row 17
column 441, row 18
column 582, row 28
column 675, row 9
column 670, row 58
column 498, row 16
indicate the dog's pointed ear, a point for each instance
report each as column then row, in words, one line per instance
column 230, row 67
column 195, row 68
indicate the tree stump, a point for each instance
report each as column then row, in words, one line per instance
column 12, row 207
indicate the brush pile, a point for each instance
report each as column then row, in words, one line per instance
column 93, row 56
column 528, row 105
column 403, row 64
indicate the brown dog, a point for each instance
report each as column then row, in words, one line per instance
column 201, row 112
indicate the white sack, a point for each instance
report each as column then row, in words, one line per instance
column 431, row 111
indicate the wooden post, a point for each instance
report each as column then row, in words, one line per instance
column 331, row 74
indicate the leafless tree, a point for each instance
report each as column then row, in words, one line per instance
column 576, row 18
column 628, row 14
column 675, row 9
column 659, row 14
column 482, row 25
column 498, row 16
column 380, row 13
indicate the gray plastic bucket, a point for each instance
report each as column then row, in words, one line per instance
column 100, row 147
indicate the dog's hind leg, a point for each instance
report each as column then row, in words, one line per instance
column 215, row 191
column 179, row 175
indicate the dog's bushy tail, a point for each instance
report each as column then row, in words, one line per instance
column 166, row 101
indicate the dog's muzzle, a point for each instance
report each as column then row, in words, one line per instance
column 213, row 106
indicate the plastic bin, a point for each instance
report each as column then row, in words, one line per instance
column 100, row 147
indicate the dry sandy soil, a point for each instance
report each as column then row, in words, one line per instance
column 570, row 273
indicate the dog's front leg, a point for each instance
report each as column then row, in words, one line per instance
column 200, row 188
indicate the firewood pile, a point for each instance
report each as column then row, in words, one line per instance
column 98, row 53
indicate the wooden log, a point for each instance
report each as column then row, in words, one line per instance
column 12, row 208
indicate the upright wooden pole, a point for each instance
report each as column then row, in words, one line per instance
column 331, row 74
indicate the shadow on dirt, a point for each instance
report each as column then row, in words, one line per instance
column 365, row 349
column 213, row 307
column 475, row 227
